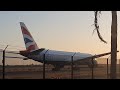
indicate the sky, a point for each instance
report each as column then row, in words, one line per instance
column 58, row 30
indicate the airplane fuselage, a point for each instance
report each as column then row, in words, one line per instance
column 52, row 55
column 57, row 57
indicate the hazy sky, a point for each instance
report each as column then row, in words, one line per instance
column 57, row 30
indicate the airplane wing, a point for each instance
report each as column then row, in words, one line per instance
column 94, row 56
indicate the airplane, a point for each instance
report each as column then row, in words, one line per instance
column 56, row 58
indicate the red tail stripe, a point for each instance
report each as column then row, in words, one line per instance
column 31, row 47
column 25, row 31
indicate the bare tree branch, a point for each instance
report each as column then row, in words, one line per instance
column 97, row 26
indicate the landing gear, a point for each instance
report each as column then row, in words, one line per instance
column 76, row 68
column 57, row 67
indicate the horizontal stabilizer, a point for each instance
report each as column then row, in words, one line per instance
column 16, row 57
column 14, row 52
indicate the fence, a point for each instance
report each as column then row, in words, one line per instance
column 68, row 72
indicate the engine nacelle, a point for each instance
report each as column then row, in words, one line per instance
column 93, row 63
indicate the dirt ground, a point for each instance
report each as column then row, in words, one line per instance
column 36, row 72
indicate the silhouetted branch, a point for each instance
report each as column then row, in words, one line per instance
column 97, row 26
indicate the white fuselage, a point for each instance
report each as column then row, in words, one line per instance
column 52, row 55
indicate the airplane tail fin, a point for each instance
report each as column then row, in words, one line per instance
column 28, row 39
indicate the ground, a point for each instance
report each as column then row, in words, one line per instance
column 36, row 72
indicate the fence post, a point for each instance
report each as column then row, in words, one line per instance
column 72, row 65
column 92, row 69
column 3, row 64
column 119, row 65
column 3, row 61
column 107, row 68
column 44, row 64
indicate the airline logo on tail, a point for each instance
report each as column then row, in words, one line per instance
column 28, row 39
